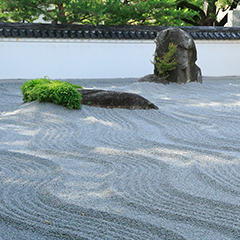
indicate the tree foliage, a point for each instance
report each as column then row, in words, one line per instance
column 108, row 12
column 149, row 12
column 118, row 12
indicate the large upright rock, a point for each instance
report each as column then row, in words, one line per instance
column 186, row 55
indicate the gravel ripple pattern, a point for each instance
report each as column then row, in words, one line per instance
column 97, row 173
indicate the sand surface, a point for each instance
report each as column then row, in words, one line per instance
column 96, row 173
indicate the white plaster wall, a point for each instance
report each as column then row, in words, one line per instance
column 59, row 59
column 219, row 58
column 24, row 58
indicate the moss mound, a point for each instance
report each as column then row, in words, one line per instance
column 46, row 90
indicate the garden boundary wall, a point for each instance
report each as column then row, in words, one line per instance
column 120, row 57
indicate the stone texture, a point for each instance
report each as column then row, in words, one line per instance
column 152, row 78
column 234, row 17
column 113, row 99
column 186, row 55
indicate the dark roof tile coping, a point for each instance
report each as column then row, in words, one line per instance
column 136, row 32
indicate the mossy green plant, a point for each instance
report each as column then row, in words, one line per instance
column 46, row 90
column 167, row 62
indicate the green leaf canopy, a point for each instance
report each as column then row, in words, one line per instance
column 108, row 12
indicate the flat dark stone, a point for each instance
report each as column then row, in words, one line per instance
column 113, row 99
column 153, row 78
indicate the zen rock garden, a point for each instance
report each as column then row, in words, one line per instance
column 174, row 61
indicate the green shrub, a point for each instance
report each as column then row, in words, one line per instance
column 167, row 62
column 46, row 90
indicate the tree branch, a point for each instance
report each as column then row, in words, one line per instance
column 190, row 22
column 223, row 21
column 234, row 4
column 184, row 4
